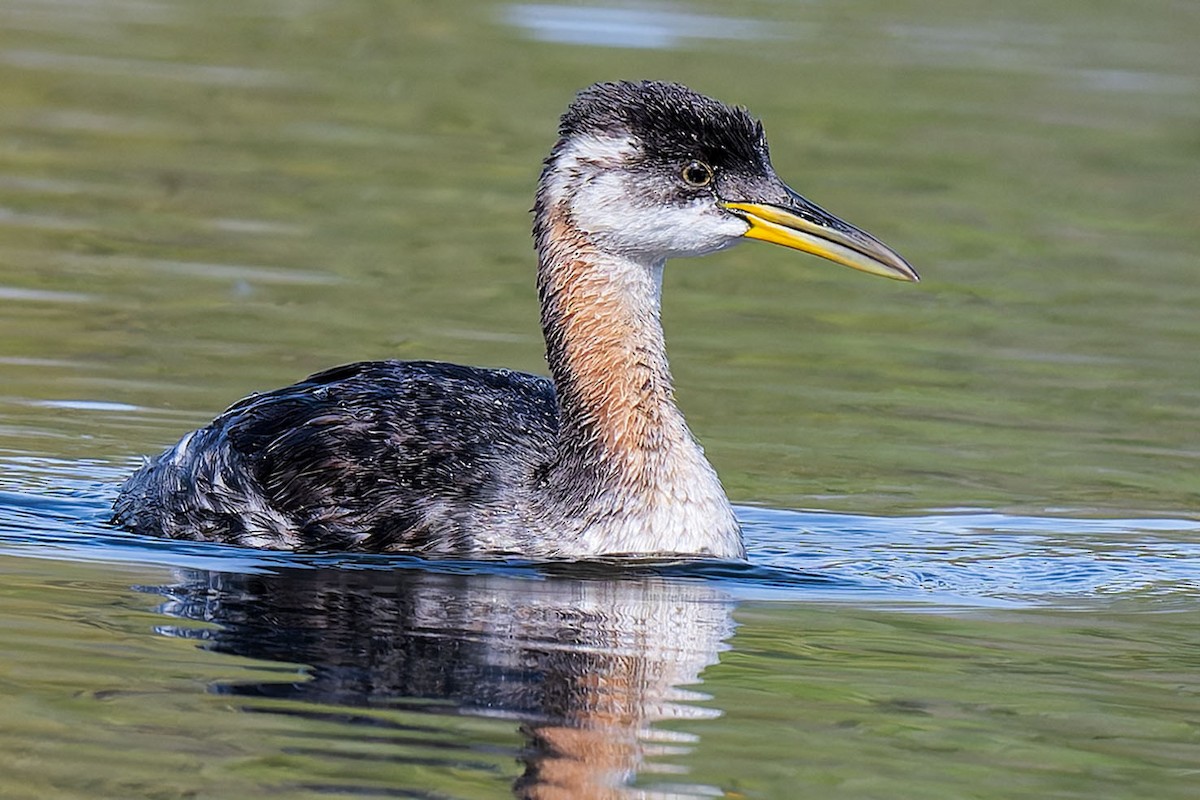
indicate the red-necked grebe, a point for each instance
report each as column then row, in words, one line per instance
column 440, row 459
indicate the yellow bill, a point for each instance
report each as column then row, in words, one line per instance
column 808, row 228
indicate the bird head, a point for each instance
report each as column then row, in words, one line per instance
column 653, row 170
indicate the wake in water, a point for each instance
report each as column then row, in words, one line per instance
column 57, row 509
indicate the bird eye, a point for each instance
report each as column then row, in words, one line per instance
column 697, row 173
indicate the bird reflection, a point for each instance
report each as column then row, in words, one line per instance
column 584, row 666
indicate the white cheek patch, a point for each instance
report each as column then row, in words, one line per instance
column 585, row 157
column 607, row 203
column 609, row 208
column 692, row 230
column 605, row 198
column 604, row 151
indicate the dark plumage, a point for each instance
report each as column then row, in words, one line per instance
column 674, row 123
column 342, row 460
column 448, row 460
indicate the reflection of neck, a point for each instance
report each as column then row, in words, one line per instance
column 621, row 433
column 579, row 764
column 644, row 642
column 588, row 666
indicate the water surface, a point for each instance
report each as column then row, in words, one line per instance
column 972, row 505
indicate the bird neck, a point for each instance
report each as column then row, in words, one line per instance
column 605, row 347
column 626, row 464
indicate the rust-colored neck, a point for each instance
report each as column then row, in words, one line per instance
column 604, row 344
column 626, row 472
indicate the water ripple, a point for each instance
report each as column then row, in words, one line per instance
column 58, row 509
column 43, row 295
column 204, row 74
column 660, row 28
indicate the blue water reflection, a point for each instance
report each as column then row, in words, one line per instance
column 587, row 669
column 660, row 27
column 952, row 559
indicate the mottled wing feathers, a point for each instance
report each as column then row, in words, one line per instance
column 383, row 454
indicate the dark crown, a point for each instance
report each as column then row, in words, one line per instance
column 672, row 122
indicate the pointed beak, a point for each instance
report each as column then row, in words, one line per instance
column 797, row 223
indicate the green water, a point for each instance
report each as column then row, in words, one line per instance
column 199, row 200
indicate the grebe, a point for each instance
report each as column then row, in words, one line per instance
column 447, row 460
